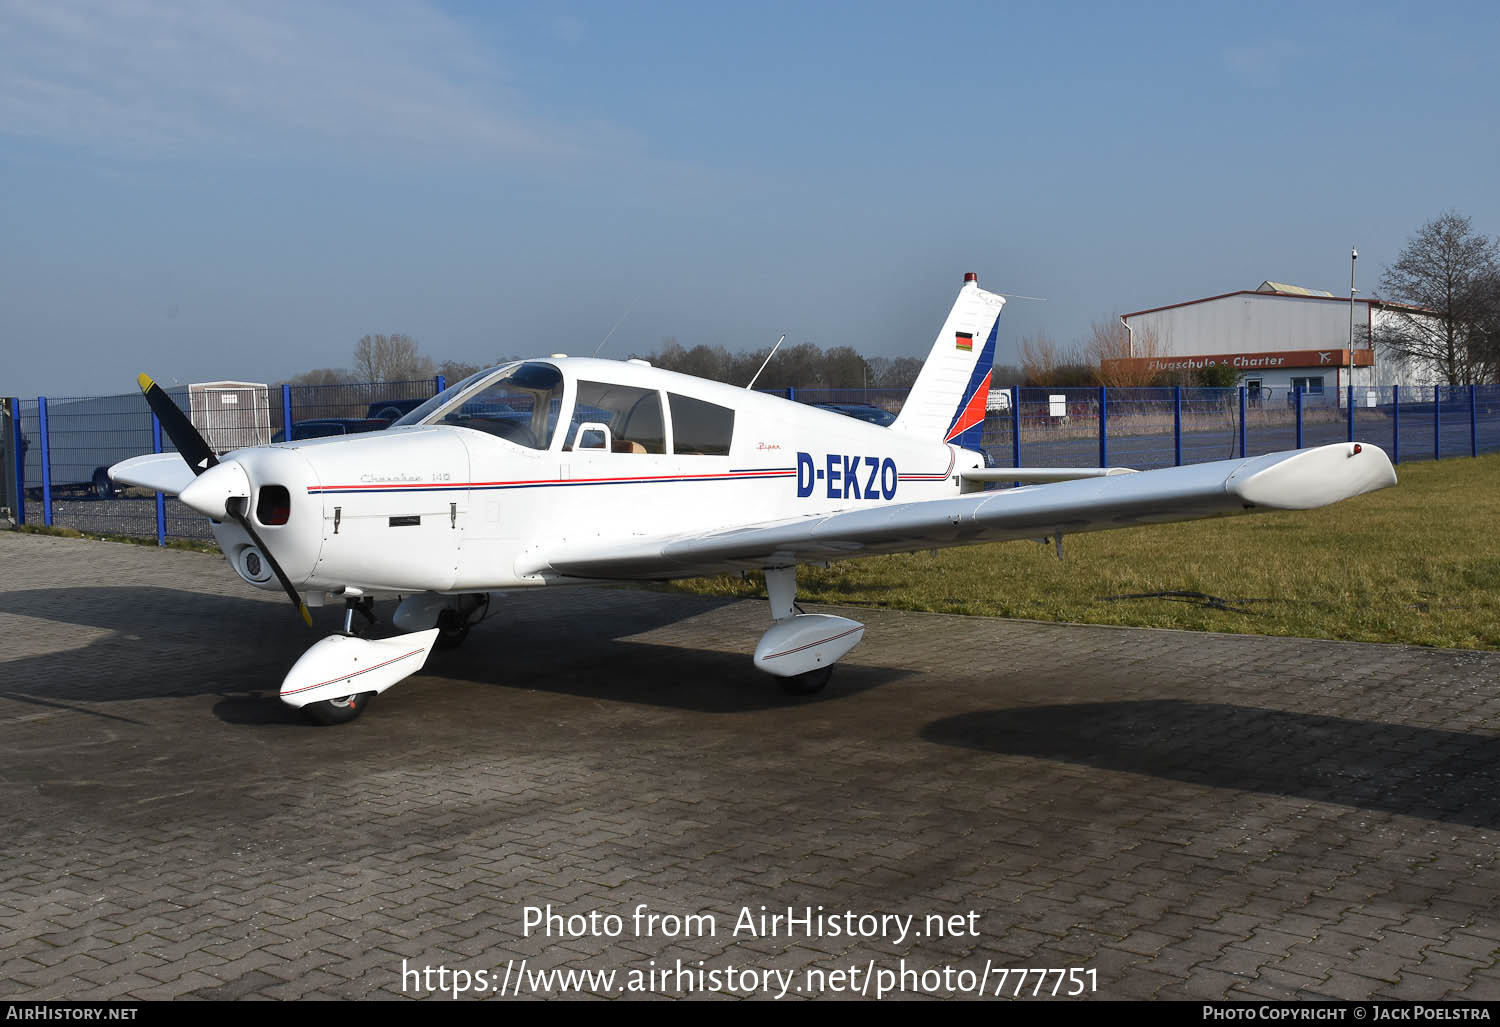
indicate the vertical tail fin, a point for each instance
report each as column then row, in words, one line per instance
column 947, row 402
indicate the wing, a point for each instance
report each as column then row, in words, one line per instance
column 1297, row 480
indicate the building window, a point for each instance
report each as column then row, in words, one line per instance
column 1311, row 386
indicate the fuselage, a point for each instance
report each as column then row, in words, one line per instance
column 467, row 491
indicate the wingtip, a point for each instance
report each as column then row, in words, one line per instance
column 144, row 381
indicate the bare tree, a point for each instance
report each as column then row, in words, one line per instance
column 1453, row 275
column 894, row 372
column 456, row 370
column 390, row 358
column 1110, row 342
column 324, row 376
column 843, row 368
column 1041, row 362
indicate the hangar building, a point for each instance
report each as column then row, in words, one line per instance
column 1278, row 337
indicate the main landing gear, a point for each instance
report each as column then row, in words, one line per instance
column 801, row 648
column 455, row 620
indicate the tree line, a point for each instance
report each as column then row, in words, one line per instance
column 398, row 358
column 1446, row 281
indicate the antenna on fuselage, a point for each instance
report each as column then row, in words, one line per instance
column 617, row 324
column 767, row 360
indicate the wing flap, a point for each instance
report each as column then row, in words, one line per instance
column 1041, row 474
column 1297, row 480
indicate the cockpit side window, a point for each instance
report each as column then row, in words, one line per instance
column 520, row 405
column 632, row 416
column 699, row 428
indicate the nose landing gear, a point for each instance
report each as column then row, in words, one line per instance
column 337, row 711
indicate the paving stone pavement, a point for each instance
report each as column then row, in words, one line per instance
column 1186, row 815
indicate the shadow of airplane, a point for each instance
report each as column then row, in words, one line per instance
column 1447, row 776
column 584, row 642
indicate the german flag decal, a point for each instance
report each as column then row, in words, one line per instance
column 966, row 341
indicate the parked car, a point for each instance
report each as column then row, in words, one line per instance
column 860, row 411
column 324, row 427
column 389, row 410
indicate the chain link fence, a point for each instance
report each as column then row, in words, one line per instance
column 57, row 451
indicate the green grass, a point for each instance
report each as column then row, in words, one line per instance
column 1418, row 563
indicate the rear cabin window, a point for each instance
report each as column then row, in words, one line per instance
column 631, row 416
column 699, row 428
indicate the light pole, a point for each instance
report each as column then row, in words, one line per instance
column 1353, row 256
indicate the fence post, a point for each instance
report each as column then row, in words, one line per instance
column 1395, row 424
column 1297, row 393
column 286, row 413
column 1243, row 405
column 20, row 458
column 791, row 393
column 1351, row 411
column 440, row 383
column 1437, row 422
column 161, row 502
column 41, row 409
column 1015, row 426
column 1473, row 421
column 1103, row 427
column 1177, row 424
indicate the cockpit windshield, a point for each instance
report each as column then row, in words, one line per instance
column 520, row 404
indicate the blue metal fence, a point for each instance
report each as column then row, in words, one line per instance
column 62, row 447
column 57, row 447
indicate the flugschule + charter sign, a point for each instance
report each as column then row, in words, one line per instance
column 1247, row 361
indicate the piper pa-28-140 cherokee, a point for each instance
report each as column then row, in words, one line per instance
column 569, row 470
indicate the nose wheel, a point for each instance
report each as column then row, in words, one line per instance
column 337, row 711
column 811, row 683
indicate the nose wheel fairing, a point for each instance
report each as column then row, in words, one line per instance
column 343, row 665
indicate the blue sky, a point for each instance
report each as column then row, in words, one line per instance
column 212, row 190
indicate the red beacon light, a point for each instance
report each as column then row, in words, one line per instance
column 970, row 276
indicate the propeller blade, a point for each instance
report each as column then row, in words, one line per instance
column 236, row 508
column 200, row 457
column 192, row 446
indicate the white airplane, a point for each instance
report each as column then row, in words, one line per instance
column 568, row 470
